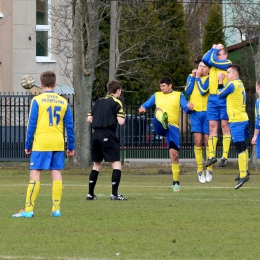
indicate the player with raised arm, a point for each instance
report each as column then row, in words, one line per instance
column 216, row 60
column 197, row 87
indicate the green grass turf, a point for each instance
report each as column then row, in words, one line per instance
column 202, row 221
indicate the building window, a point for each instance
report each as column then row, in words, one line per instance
column 43, row 31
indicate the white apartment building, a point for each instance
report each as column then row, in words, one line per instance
column 27, row 44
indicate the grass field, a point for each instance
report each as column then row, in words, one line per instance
column 202, row 221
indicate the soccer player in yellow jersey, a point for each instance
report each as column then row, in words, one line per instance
column 234, row 93
column 166, row 120
column 216, row 60
column 49, row 114
column 197, row 87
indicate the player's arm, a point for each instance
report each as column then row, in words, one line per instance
column 190, row 84
column 257, row 123
column 69, row 125
column 220, row 64
column 203, row 87
column 206, row 57
column 120, row 112
column 228, row 89
column 185, row 105
column 149, row 103
column 32, row 124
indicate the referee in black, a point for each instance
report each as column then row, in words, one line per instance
column 104, row 116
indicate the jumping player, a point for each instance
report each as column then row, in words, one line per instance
column 216, row 60
column 234, row 93
column 197, row 86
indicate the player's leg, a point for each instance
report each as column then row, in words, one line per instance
column 38, row 161
column 209, row 171
column 212, row 142
column 162, row 117
column 158, row 128
column 57, row 164
column 198, row 151
column 213, row 117
column 225, row 131
column 173, row 142
column 97, row 158
column 197, row 124
column 226, row 142
column 111, row 152
column 56, row 192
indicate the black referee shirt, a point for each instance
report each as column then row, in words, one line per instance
column 105, row 112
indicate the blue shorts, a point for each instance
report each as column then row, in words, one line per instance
column 199, row 122
column 216, row 108
column 172, row 134
column 257, row 148
column 239, row 131
column 47, row 160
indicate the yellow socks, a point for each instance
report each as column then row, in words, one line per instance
column 56, row 195
column 198, row 157
column 212, row 144
column 207, row 155
column 226, row 145
column 242, row 164
column 32, row 193
column 175, row 171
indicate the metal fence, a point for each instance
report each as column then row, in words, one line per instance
column 137, row 137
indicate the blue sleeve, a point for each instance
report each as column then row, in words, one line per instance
column 206, row 57
column 189, row 84
column 257, row 116
column 220, row 64
column 184, row 103
column 32, row 123
column 149, row 103
column 68, row 122
column 203, row 88
column 228, row 89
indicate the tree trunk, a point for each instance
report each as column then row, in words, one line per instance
column 86, row 44
column 254, row 162
column 113, row 62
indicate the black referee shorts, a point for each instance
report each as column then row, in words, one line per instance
column 105, row 145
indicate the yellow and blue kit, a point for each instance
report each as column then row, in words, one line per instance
column 171, row 104
column 49, row 113
column 234, row 93
column 257, row 126
column 216, row 66
column 216, row 108
column 198, row 88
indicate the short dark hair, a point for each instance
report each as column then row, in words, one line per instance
column 166, row 80
column 236, row 68
column 113, row 86
column 258, row 82
column 48, row 79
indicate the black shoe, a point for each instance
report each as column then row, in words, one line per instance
column 223, row 162
column 210, row 161
column 91, row 197
column 241, row 181
column 238, row 177
column 117, row 197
